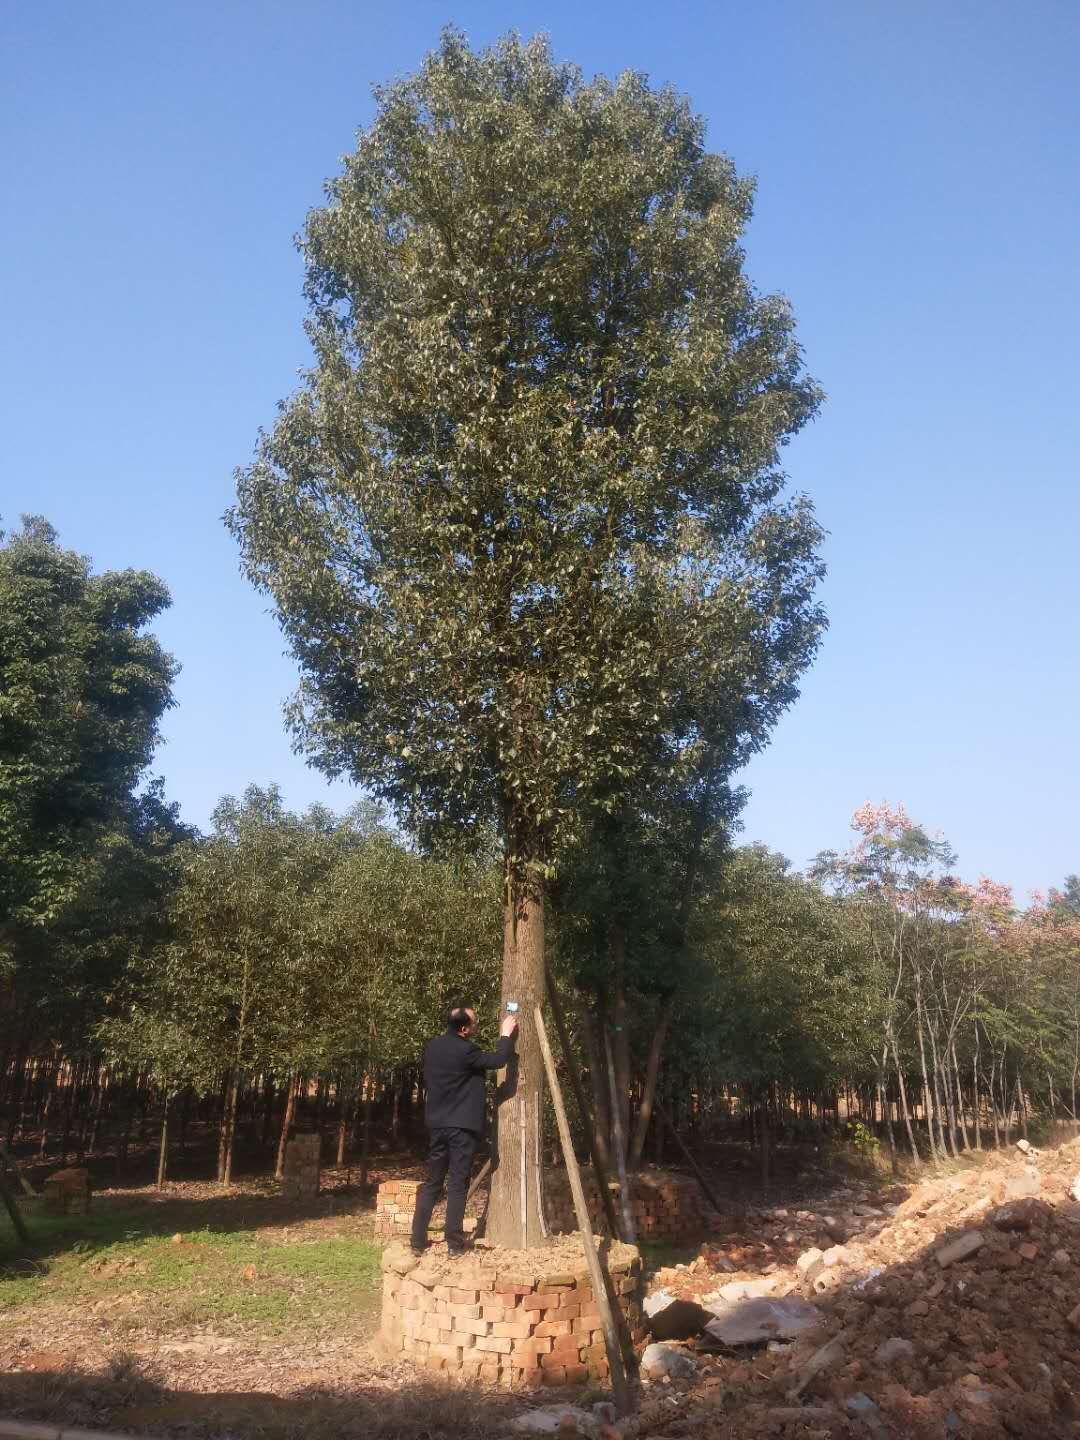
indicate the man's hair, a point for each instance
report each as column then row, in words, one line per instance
column 459, row 1017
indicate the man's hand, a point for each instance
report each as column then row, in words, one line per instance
column 508, row 1026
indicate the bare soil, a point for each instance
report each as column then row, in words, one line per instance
column 991, row 1351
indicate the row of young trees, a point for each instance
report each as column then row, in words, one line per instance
column 152, row 971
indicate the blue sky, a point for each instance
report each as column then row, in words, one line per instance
column 919, row 201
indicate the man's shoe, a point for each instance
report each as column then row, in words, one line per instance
column 418, row 1250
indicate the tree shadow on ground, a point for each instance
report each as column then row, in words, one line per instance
column 127, row 1397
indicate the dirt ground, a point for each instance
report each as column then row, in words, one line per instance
column 980, row 1347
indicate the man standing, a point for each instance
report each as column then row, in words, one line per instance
column 454, row 1080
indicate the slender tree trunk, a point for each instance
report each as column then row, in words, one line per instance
column 885, row 1113
column 286, row 1124
column 927, row 1102
column 163, row 1149
column 905, row 1110
column 652, row 1072
column 518, row 1093
column 345, row 1101
column 365, row 1151
column 959, row 1096
column 227, row 1137
column 619, row 1146
column 592, row 1025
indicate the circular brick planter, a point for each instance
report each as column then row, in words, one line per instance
column 505, row 1317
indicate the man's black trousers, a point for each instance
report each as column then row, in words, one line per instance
column 449, row 1158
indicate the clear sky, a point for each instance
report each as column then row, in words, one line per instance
column 919, row 201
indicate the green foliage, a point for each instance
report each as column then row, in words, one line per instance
column 789, row 998
column 305, row 943
column 521, row 524
column 83, row 859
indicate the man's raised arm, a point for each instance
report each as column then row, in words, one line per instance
column 500, row 1056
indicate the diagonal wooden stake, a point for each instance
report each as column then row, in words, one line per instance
column 13, row 1210
column 713, row 1201
column 6, row 1157
column 619, row 1385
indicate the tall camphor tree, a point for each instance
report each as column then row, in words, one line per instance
column 516, row 518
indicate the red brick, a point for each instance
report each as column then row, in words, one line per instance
column 466, row 1325
column 539, row 1345
column 568, row 1311
column 543, row 1300
column 512, row 1329
column 566, row 1345
column 553, row 1327
column 508, row 1298
column 463, row 1297
column 575, row 1374
column 494, row 1343
column 446, row 1352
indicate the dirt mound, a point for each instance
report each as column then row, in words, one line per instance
column 947, row 1309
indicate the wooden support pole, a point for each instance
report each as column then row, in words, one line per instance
column 484, row 1172
column 599, row 1169
column 619, row 1384
column 6, row 1158
column 689, row 1159
column 13, row 1209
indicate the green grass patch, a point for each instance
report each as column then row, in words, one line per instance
column 119, row 1263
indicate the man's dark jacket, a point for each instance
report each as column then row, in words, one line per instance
column 454, row 1079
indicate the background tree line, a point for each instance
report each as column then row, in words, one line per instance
column 152, row 975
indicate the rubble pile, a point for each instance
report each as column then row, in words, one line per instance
column 950, row 1308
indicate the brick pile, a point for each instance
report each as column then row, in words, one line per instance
column 394, row 1205
column 666, row 1206
column 67, row 1192
column 300, row 1180
column 510, row 1318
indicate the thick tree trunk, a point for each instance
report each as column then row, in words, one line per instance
column 513, row 1214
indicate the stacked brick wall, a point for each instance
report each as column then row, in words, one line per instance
column 394, row 1205
column 67, row 1192
column 300, row 1180
column 666, row 1206
column 503, row 1319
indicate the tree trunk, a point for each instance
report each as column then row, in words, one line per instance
column 228, row 1130
column 763, row 1139
column 652, row 1072
column 344, row 1102
column 518, row 1093
column 365, row 1149
column 286, row 1124
column 163, row 1149
column 591, row 1024
column 618, row 1142
column 905, row 1109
